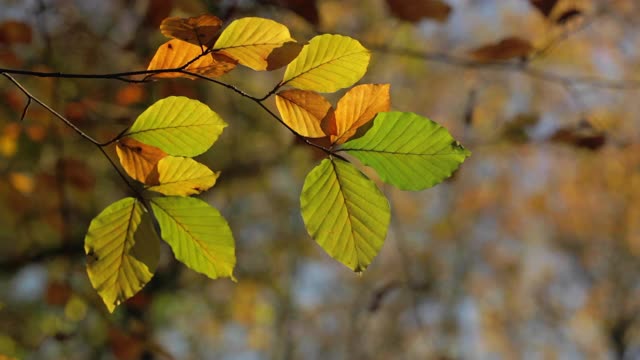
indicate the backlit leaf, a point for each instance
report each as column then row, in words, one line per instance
column 505, row 49
column 328, row 63
column 138, row 159
column 201, row 30
column 408, row 151
column 179, row 126
column 183, row 176
column 115, row 270
column 357, row 107
column 345, row 213
column 174, row 54
column 250, row 40
column 303, row 111
column 415, row 11
column 199, row 236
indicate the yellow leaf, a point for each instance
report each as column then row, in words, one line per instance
column 139, row 160
column 201, row 30
column 357, row 107
column 250, row 41
column 175, row 54
column 183, row 176
column 9, row 139
column 22, row 182
column 328, row 63
column 303, row 111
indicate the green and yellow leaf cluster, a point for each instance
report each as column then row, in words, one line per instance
column 121, row 243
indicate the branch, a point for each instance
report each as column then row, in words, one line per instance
column 505, row 66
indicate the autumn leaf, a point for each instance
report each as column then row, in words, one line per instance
column 307, row 9
column 345, row 213
column 414, row 11
column 357, row 107
column 139, row 159
column 15, row 32
column 505, row 49
column 176, row 54
column 198, row 235
column 183, row 176
column 178, row 126
column 250, row 41
column 328, row 63
column 200, row 31
column 303, row 111
column 121, row 254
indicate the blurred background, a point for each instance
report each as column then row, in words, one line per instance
column 530, row 251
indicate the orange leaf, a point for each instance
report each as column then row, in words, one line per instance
column 13, row 32
column 201, row 31
column 130, row 94
column 283, row 55
column 176, row 53
column 357, row 107
column 303, row 111
column 139, row 160
column 414, row 11
column 505, row 49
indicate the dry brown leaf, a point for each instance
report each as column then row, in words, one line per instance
column 15, row 32
column 201, row 31
column 139, row 160
column 176, row 53
column 505, row 49
column 307, row 9
column 357, row 107
column 414, row 11
column 130, row 94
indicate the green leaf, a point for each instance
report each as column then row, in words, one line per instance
column 183, row 176
column 122, row 253
column 408, row 151
column 327, row 64
column 199, row 236
column 179, row 126
column 345, row 213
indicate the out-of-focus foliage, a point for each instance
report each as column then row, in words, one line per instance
column 531, row 250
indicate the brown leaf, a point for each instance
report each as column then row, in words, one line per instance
column 130, row 94
column 58, row 293
column 583, row 136
column 77, row 173
column 157, row 10
column 176, row 53
column 201, row 31
column 545, row 6
column 307, row 9
column 283, row 55
column 505, row 49
column 139, row 160
column 414, row 11
column 15, row 32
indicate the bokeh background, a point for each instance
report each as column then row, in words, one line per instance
column 531, row 250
